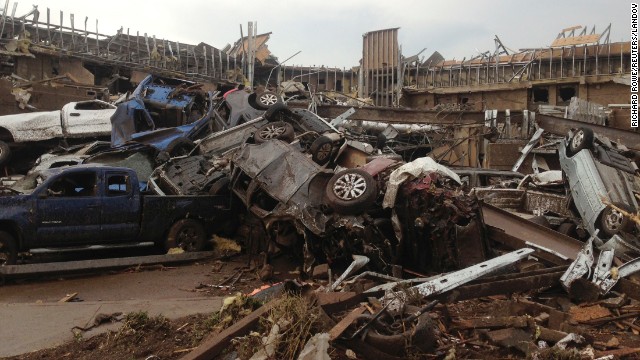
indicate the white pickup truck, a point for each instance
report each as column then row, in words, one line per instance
column 84, row 119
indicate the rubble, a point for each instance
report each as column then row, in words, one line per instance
column 396, row 254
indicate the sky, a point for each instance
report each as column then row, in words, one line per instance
column 329, row 32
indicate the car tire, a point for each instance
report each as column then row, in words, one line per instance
column 321, row 150
column 581, row 139
column 220, row 186
column 568, row 229
column 276, row 130
column 267, row 99
column 187, row 234
column 180, row 147
column 5, row 152
column 611, row 221
column 275, row 112
column 8, row 249
column 351, row 191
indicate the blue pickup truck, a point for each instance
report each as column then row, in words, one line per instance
column 99, row 205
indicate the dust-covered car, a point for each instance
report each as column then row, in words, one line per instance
column 28, row 132
column 599, row 175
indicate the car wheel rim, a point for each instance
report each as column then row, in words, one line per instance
column 577, row 139
column 4, row 256
column 324, row 151
column 187, row 239
column 268, row 99
column 350, row 186
column 272, row 132
column 614, row 220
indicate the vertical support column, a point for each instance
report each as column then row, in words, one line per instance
column 164, row 54
column 86, row 35
column 13, row 24
column 4, row 16
column 532, row 121
column 178, row 52
column 48, row 25
column 171, row 53
column 35, row 21
column 146, row 42
column 507, row 123
column 128, row 46
column 195, row 60
column 220, row 57
column 213, row 62
column 60, row 29
column 550, row 63
column 206, row 62
column 138, row 46
column 561, row 63
column 97, row 43
column 524, row 129
column 73, row 33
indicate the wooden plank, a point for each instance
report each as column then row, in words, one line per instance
column 576, row 40
column 214, row 344
column 68, row 297
column 340, row 327
column 489, row 323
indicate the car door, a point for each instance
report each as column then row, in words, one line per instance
column 120, row 208
column 87, row 118
column 68, row 210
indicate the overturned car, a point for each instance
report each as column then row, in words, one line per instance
column 602, row 181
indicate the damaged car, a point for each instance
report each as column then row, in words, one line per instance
column 197, row 173
column 167, row 114
column 99, row 205
column 44, row 130
column 334, row 214
column 600, row 175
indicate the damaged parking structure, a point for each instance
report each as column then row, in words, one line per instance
column 348, row 220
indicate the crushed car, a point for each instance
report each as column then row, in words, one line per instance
column 600, row 175
column 334, row 214
column 167, row 114
column 197, row 173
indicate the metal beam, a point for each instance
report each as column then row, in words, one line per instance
column 390, row 115
column 530, row 234
column 560, row 126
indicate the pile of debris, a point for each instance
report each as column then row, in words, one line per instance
column 442, row 250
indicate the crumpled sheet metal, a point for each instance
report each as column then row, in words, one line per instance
column 414, row 169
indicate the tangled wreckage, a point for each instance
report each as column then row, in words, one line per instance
column 340, row 196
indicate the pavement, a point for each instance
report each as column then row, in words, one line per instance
column 29, row 327
column 33, row 318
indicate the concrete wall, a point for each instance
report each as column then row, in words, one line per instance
column 46, row 67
